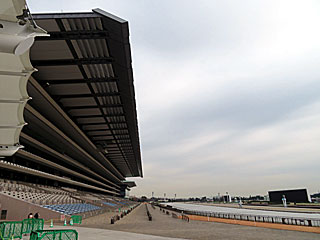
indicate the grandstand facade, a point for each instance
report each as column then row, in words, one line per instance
column 81, row 136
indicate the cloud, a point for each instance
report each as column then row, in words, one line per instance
column 284, row 154
column 227, row 93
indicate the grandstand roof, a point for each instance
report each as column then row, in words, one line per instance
column 85, row 68
column 130, row 184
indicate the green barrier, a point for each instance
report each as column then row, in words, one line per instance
column 11, row 229
column 76, row 219
column 17, row 228
column 54, row 235
column 32, row 224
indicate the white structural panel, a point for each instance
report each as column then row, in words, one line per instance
column 17, row 34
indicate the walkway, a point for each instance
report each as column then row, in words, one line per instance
column 95, row 233
column 166, row 226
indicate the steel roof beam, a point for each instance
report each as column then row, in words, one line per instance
column 90, row 86
column 43, row 161
column 60, row 16
column 50, row 128
column 101, row 138
column 105, row 129
column 110, row 94
column 65, row 123
column 113, row 149
column 99, row 115
column 95, row 137
column 87, row 80
column 109, row 135
column 26, row 170
column 79, row 61
column 76, row 35
column 102, row 123
column 92, row 106
column 44, row 148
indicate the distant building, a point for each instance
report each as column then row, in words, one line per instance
column 315, row 197
column 227, row 198
column 293, row 195
column 256, row 198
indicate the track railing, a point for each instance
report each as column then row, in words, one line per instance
column 148, row 213
column 259, row 218
column 122, row 214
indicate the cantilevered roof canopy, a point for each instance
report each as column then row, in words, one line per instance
column 85, row 66
column 130, row 184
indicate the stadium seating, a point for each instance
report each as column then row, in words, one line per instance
column 41, row 198
column 64, row 200
column 37, row 194
column 109, row 204
column 72, row 208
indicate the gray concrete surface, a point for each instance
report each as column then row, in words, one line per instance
column 166, row 226
column 96, row 233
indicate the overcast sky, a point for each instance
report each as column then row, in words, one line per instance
column 228, row 92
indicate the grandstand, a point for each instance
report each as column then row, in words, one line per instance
column 81, row 140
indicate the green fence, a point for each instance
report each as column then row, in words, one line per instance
column 17, row 228
column 11, row 229
column 54, row 235
column 32, row 224
column 76, row 219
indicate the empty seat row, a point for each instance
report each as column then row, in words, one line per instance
column 110, row 204
column 9, row 186
column 72, row 208
column 41, row 198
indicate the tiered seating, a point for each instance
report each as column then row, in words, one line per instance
column 41, row 198
column 121, row 201
column 35, row 194
column 110, row 204
column 63, row 200
column 116, row 202
column 54, row 190
column 91, row 197
column 72, row 208
column 6, row 185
